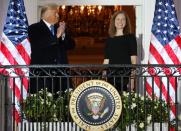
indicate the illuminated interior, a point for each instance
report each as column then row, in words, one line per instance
column 89, row 27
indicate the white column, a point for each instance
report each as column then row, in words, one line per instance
column 3, row 13
column 139, row 32
column 31, row 7
column 147, row 17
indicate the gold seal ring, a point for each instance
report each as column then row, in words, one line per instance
column 95, row 105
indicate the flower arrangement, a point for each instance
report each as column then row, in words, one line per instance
column 45, row 106
column 137, row 110
column 141, row 111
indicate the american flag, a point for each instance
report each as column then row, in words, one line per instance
column 165, row 48
column 15, row 50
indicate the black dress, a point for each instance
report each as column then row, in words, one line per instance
column 119, row 50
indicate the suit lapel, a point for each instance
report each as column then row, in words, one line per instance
column 46, row 29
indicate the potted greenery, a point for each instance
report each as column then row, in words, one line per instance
column 45, row 106
column 139, row 112
column 47, row 110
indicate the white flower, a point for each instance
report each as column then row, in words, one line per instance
column 142, row 98
column 133, row 99
column 32, row 95
column 155, row 107
column 55, row 119
column 41, row 92
column 49, row 94
column 141, row 125
column 133, row 105
column 68, row 90
column 42, row 102
column 135, row 94
column 54, row 106
column 58, row 92
column 125, row 93
column 49, row 103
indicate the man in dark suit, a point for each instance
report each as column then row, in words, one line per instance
column 49, row 42
column 48, row 47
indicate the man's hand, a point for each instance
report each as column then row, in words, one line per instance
column 61, row 29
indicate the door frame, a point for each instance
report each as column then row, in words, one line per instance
column 144, row 15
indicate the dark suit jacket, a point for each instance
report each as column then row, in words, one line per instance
column 46, row 48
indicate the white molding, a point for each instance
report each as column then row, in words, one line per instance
column 92, row 2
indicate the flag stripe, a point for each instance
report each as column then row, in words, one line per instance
column 24, row 53
column 176, row 46
column 178, row 41
column 26, row 45
column 15, row 88
column 156, row 54
column 159, row 50
column 171, row 53
column 8, row 55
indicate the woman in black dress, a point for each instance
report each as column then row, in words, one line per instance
column 121, row 48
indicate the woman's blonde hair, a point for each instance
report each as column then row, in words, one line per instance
column 112, row 28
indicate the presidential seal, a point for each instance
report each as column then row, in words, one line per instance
column 95, row 105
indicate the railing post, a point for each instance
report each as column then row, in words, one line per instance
column 7, row 113
column 2, row 103
column 179, row 90
column 5, row 105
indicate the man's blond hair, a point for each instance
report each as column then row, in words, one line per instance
column 47, row 7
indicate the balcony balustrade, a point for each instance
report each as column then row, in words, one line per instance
column 41, row 95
